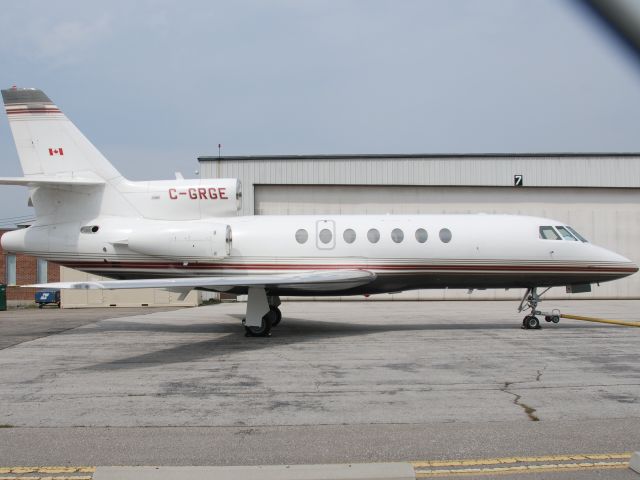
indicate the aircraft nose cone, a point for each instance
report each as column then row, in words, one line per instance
column 625, row 265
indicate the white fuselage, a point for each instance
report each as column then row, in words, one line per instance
column 92, row 218
column 484, row 251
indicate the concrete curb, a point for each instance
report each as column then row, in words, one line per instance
column 634, row 463
column 354, row 471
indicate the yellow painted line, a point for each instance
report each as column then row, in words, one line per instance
column 48, row 477
column 46, row 473
column 46, row 469
column 517, row 469
column 601, row 320
column 65, row 469
column 511, row 460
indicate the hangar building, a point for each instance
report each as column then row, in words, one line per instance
column 597, row 194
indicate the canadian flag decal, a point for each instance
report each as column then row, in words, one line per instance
column 55, row 151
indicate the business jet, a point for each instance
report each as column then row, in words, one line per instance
column 185, row 234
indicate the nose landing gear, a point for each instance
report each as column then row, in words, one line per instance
column 531, row 322
column 530, row 300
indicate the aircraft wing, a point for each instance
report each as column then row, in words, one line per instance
column 35, row 181
column 312, row 280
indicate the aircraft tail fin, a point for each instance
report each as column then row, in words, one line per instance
column 48, row 143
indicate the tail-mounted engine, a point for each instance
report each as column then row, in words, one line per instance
column 181, row 199
column 184, row 244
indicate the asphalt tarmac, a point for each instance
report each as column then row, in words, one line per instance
column 336, row 382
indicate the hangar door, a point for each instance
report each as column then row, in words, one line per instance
column 609, row 217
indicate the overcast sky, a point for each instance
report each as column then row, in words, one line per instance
column 154, row 84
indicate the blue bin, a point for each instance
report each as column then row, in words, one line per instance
column 48, row 297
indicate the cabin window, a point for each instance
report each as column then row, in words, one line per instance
column 397, row 235
column 421, row 235
column 548, row 233
column 349, row 235
column 566, row 234
column 445, row 235
column 373, row 235
column 302, row 236
column 325, row 235
column 576, row 234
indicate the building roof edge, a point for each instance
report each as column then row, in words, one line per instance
column 382, row 156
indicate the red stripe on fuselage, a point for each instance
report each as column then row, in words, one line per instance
column 306, row 267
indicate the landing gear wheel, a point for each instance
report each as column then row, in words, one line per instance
column 530, row 300
column 277, row 316
column 264, row 330
column 532, row 323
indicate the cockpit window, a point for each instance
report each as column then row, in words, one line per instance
column 577, row 235
column 566, row 234
column 548, row 233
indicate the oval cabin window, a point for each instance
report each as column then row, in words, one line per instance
column 373, row 235
column 445, row 235
column 397, row 235
column 302, row 236
column 325, row 235
column 349, row 235
column 421, row 235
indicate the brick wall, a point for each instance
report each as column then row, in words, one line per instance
column 26, row 273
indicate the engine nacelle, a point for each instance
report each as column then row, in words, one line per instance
column 183, row 243
column 185, row 199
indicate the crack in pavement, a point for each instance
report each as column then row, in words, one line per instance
column 540, row 372
column 530, row 411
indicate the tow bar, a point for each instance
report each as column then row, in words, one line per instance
column 601, row 320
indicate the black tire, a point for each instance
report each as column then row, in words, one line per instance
column 533, row 323
column 40, row 305
column 555, row 319
column 264, row 330
column 525, row 322
column 277, row 317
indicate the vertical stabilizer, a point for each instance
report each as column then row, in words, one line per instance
column 48, row 143
column 54, row 152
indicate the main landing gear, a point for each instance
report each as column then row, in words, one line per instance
column 262, row 313
column 531, row 300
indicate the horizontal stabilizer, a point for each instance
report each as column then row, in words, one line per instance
column 37, row 181
column 324, row 280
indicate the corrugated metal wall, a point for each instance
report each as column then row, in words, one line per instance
column 539, row 171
